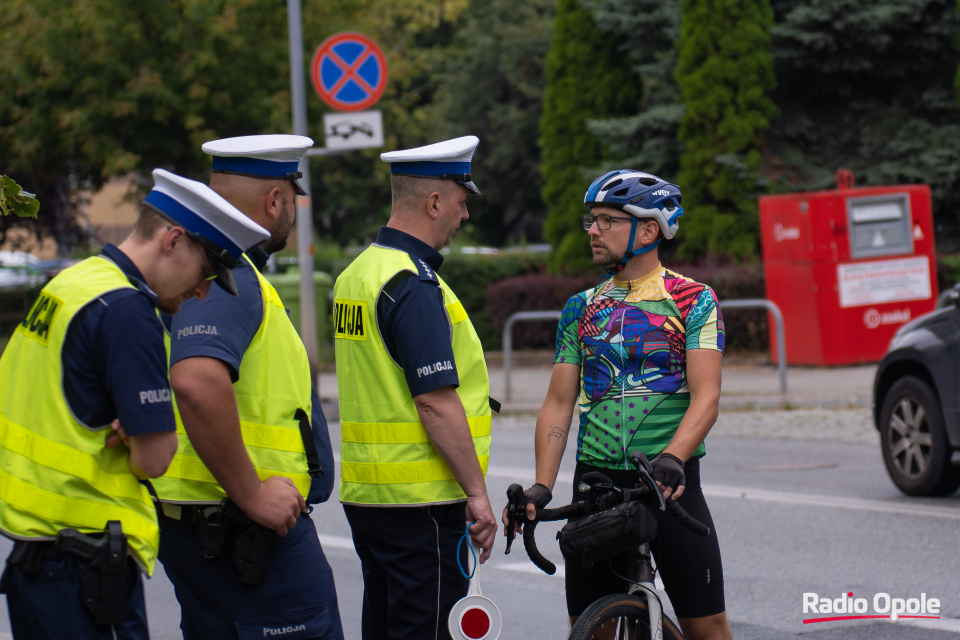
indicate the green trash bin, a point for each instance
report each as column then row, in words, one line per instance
column 288, row 288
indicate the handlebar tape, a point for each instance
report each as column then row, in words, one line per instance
column 530, row 544
column 529, row 527
column 687, row 520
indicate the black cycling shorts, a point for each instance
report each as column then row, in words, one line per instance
column 688, row 564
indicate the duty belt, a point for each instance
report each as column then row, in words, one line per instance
column 102, row 560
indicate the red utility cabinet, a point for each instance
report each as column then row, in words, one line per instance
column 847, row 268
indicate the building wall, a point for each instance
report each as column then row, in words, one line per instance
column 108, row 212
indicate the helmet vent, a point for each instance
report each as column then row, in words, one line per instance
column 637, row 199
column 621, row 192
column 648, row 181
column 668, row 205
column 611, row 184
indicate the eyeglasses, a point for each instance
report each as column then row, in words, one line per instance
column 604, row 222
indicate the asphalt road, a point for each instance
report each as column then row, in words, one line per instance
column 800, row 500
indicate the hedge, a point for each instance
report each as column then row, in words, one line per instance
column 492, row 287
column 469, row 275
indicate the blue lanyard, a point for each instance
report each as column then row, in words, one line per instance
column 466, row 536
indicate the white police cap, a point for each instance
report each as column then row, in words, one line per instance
column 211, row 221
column 449, row 160
column 275, row 156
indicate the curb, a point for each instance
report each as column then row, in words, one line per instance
column 331, row 409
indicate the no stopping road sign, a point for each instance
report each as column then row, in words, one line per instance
column 349, row 71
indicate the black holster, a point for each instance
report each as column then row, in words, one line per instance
column 26, row 557
column 103, row 561
column 250, row 543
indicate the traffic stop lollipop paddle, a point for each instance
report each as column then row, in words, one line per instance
column 473, row 617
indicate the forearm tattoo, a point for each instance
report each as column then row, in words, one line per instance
column 558, row 433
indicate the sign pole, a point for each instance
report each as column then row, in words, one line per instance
column 308, row 307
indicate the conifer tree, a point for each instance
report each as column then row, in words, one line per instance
column 588, row 76
column 725, row 72
column 646, row 140
column 870, row 87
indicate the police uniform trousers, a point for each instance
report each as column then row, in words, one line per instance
column 296, row 600
column 411, row 577
column 47, row 605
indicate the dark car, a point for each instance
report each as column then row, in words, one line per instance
column 916, row 402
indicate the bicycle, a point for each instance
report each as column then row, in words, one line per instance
column 636, row 614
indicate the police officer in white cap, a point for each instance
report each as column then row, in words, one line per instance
column 256, row 451
column 86, row 415
column 415, row 405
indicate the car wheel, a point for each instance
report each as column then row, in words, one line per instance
column 914, row 441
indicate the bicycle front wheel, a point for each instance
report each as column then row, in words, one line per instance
column 619, row 617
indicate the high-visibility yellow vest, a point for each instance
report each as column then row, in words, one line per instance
column 56, row 473
column 386, row 457
column 274, row 383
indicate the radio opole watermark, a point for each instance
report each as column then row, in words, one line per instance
column 882, row 605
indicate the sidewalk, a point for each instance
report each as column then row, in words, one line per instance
column 746, row 386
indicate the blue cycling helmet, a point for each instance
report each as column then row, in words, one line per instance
column 640, row 194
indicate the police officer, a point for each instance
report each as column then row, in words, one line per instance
column 414, row 403
column 88, row 356
column 258, row 440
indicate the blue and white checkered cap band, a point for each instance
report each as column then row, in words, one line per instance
column 192, row 222
column 426, row 168
column 255, row 166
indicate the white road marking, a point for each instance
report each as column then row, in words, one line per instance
column 944, row 624
column 523, row 475
column 529, row 567
column 877, row 506
column 336, row 542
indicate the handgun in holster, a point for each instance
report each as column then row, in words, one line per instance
column 252, row 544
column 103, row 584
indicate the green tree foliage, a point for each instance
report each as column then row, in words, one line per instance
column 868, row 86
column 491, row 85
column 648, row 30
column 725, row 73
column 14, row 200
column 588, row 77
column 100, row 88
column 351, row 191
column 863, row 85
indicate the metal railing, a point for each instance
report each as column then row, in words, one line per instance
column 750, row 303
column 761, row 303
column 524, row 316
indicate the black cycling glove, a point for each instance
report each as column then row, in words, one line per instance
column 538, row 495
column 668, row 471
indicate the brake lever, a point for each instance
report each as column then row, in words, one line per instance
column 515, row 503
column 644, row 468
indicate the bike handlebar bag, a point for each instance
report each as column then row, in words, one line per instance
column 603, row 535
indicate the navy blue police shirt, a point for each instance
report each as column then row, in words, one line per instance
column 114, row 360
column 222, row 326
column 412, row 319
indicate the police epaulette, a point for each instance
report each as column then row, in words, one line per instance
column 426, row 273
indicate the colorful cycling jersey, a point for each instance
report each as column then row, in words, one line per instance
column 630, row 339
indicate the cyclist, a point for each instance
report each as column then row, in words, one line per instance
column 640, row 355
